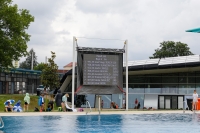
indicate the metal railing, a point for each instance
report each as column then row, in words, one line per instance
column 88, row 103
column 2, row 123
column 185, row 106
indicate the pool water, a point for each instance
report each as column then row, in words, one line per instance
column 135, row 123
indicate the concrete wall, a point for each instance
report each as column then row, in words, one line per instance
column 151, row 100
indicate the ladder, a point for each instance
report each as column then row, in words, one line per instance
column 87, row 103
column 2, row 123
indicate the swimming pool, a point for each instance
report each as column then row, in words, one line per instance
column 137, row 123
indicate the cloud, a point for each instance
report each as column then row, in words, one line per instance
column 143, row 23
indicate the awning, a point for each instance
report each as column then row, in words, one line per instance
column 101, row 90
column 196, row 30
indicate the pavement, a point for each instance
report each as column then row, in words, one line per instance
column 93, row 113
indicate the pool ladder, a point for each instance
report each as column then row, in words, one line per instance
column 2, row 123
column 87, row 103
column 185, row 107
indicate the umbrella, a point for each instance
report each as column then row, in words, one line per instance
column 17, row 107
column 10, row 100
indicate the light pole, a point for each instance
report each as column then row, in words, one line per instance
column 126, row 50
column 73, row 71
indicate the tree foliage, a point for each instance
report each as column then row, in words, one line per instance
column 49, row 76
column 40, row 66
column 171, row 49
column 13, row 37
column 27, row 63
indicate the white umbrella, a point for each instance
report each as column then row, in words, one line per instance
column 10, row 100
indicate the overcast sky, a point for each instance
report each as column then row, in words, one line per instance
column 144, row 23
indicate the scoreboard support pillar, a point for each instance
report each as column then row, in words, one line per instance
column 73, row 70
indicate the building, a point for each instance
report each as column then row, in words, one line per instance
column 69, row 66
column 158, row 83
column 19, row 80
column 15, row 64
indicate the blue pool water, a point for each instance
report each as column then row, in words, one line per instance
column 141, row 123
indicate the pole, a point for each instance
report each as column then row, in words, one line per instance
column 46, row 59
column 32, row 60
column 99, row 104
column 73, row 71
column 126, row 45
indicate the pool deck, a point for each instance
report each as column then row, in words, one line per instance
column 92, row 113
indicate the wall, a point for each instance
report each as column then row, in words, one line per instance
column 151, row 100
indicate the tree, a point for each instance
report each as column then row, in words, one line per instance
column 171, row 49
column 49, row 76
column 27, row 63
column 40, row 66
column 13, row 37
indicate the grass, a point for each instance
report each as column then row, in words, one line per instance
column 16, row 97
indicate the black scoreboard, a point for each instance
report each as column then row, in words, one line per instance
column 100, row 69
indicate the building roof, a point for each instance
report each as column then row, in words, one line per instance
column 15, row 70
column 180, row 62
column 70, row 64
column 62, row 71
column 172, row 62
column 196, row 30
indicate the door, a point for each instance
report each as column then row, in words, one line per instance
column 167, row 102
column 174, row 102
column 180, row 102
column 161, row 102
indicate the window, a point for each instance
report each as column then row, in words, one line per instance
column 170, row 88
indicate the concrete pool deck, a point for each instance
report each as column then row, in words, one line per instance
column 93, row 113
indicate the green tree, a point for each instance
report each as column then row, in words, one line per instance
column 171, row 49
column 13, row 37
column 49, row 76
column 27, row 63
column 40, row 66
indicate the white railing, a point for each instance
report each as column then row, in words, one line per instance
column 2, row 123
column 87, row 103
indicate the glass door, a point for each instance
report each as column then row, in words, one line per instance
column 161, row 102
column 167, row 102
column 174, row 102
column 180, row 102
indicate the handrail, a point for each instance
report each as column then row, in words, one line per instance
column 87, row 102
column 184, row 106
column 2, row 123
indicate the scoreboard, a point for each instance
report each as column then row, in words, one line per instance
column 100, row 69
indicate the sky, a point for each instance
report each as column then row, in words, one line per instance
column 144, row 23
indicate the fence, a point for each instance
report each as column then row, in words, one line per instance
column 18, row 89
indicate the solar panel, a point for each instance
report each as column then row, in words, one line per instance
column 192, row 58
column 152, row 61
column 179, row 59
column 129, row 63
column 142, row 62
column 165, row 61
column 139, row 62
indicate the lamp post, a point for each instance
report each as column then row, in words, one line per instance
column 126, row 50
column 73, row 70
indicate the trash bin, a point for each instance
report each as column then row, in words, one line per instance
column 38, row 92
